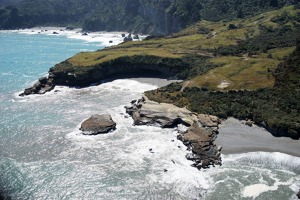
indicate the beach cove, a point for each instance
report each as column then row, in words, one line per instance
column 43, row 153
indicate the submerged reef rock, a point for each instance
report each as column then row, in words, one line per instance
column 199, row 137
column 98, row 124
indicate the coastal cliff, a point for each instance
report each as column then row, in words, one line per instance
column 137, row 16
column 65, row 73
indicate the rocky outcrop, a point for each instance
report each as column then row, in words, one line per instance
column 42, row 86
column 209, row 121
column 164, row 115
column 98, row 124
column 127, row 39
column 199, row 138
column 298, row 194
column 67, row 74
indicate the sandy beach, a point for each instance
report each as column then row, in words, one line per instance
column 236, row 137
column 159, row 82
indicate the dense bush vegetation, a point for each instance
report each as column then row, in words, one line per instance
column 268, row 39
column 215, row 10
column 197, row 65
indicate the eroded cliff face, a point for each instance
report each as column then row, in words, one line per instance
column 67, row 74
column 161, row 21
column 155, row 17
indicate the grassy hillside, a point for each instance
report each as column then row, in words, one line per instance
column 257, row 78
column 221, row 58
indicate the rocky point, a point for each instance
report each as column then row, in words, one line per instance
column 199, row 138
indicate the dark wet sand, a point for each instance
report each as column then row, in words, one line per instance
column 159, row 82
column 236, row 137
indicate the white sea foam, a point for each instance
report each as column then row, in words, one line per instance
column 103, row 38
column 128, row 85
column 140, row 147
column 295, row 186
column 124, row 156
column 257, row 189
column 267, row 168
column 7, row 74
column 273, row 159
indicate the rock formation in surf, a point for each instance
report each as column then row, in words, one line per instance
column 199, row 138
column 42, row 86
column 98, row 124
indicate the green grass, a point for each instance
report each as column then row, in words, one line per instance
column 94, row 58
column 236, row 72
column 281, row 53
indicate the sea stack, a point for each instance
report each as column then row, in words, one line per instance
column 98, row 124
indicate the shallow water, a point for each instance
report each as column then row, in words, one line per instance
column 44, row 155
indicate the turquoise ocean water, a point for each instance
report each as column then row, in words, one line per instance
column 44, row 156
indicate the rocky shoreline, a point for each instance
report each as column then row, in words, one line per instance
column 68, row 74
column 43, row 85
column 199, row 137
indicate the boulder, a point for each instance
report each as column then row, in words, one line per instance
column 98, row 124
column 196, row 134
column 127, row 39
column 69, row 28
column 249, row 123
